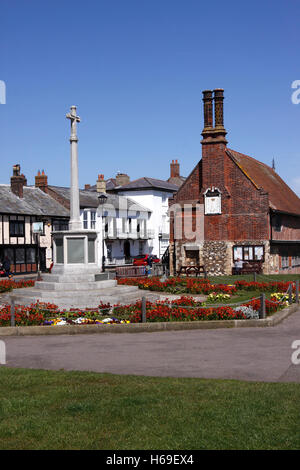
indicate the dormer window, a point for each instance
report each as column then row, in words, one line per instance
column 212, row 201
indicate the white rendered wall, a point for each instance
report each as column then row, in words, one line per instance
column 157, row 202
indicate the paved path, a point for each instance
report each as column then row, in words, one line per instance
column 255, row 354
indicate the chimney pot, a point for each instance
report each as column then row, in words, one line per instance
column 216, row 134
column 208, row 109
column 17, row 181
column 101, row 184
column 219, row 97
column 41, row 181
column 174, row 169
column 122, row 179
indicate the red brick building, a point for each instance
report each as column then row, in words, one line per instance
column 233, row 206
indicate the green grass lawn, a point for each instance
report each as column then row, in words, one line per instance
column 83, row 410
column 241, row 296
column 250, row 278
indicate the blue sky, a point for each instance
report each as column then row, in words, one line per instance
column 136, row 71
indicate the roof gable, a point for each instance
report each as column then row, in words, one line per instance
column 281, row 196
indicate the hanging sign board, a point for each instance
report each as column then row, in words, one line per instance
column 38, row 227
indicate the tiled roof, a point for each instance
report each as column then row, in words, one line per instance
column 148, row 183
column 177, row 180
column 89, row 199
column 34, row 202
column 281, row 197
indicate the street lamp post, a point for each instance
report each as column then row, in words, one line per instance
column 159, row 243
column 38, row 229
column 102, row 198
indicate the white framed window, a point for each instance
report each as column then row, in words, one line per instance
column 248, row 252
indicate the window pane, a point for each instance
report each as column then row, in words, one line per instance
column 9, row 253
column 30, row 255
column 109, row 251
column 237, row 252
column 60, row 225
column 258, row 252
column 93, row 220
column 85, row 220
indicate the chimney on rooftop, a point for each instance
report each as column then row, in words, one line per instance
column 87, row 186
column 41, row 181
column 122, row 179
column 17, row 181
column 216, row 134
column 174, row 169
column 101, row 184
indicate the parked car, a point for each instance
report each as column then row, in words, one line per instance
column 142, row 260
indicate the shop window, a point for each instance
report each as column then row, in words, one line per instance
column 20, row 255
column 30, row 255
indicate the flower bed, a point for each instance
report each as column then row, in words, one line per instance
column 188, row 309
column 49, row 314
column 177, row 285
column 183, row 309
column 278, row 286
column 8, row 285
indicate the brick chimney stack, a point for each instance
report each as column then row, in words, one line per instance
column 208, row 109
column 101, row 184
column 122, row 179
column 17, row 181
column 174, row 169
column 41, row 181
column 216, row 134
column 214, row 141
column 219, row 114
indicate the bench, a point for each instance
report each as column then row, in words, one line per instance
column 130, row 271
column 249, row 268
column 192, row 271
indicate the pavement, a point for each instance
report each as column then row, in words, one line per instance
column 251, row 354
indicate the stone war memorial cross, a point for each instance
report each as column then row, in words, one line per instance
column 75, row 249
column 75, row 223
column 76, row 279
